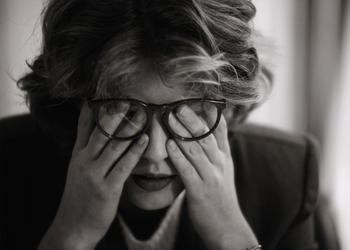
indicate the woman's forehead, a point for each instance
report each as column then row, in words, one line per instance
column 151, row 88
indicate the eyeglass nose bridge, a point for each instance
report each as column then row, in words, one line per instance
column 162, row 110
column 158, row 108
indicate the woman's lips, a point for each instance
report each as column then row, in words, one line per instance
column 152, row 182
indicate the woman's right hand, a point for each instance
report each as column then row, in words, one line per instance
column 97, row 172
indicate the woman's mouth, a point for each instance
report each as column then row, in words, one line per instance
column 152, row 182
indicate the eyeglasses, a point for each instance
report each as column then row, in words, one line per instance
column 135, row 116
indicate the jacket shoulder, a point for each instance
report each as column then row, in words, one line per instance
column 32, row 177
column 276, row 177
column 271, row 135
column 14, row 127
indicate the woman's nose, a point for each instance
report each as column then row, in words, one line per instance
column 156, row 150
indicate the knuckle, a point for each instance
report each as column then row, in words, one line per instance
column 186, row 116
column 220, row 165
column 78, row 155
column 173, row 150
column 223, row 124
column 98, row 187
column 116, row 187
column 221, row 158
column 194, row 149
column 215, row 180
column 136, row 150
column 207, row 141
column 139, row 146
column 114, row 145
column 122, row 169
column 100, row 141
column 176, row 153
column 201, row 130
column 115, row 191
column 101, row 192
column 187, row 171
column 78, row 161
column 91, row 174
column 191, row 120
column 203, row 195
column 95, row 186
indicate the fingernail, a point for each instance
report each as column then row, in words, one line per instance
column 183, row 111
column 172, row 120
column 123, row 107
column 142, row 140
column 140, row 117
column 172, row 145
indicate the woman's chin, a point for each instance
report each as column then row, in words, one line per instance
column 152, row 194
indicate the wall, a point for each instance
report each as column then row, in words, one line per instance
column 19, row 41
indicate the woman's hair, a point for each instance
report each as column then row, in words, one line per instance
column 94, row 48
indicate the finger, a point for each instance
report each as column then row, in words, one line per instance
column 191, row 121
column 211, row 113
column 85, row 125
column 191, row 149
column 122, row 169
column 115, row 148
column 185, row 169
column 222, row 137
column 195, row 154
column 130, row 127
column 109, row 122
column 177, row 127
column 111, row 153
column 220, row 132
column 197, row 127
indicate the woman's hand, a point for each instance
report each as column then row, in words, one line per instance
column 96, row 175
column 207, row 170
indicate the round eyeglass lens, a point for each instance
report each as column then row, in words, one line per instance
column 195, row 113
column 122, row 119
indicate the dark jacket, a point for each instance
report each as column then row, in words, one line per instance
column 276, row 179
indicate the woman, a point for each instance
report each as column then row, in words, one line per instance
column 154, row 161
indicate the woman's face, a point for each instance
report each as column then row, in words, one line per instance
column 154, row 182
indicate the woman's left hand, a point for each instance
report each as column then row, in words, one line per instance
column 207, row 171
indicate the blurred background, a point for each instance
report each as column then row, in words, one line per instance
column 308, row 49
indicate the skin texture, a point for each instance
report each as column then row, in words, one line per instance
column 149, row 88
column 94, row 184
column 206, row 168
column 99, row 173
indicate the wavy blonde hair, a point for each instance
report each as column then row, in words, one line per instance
column 93, row 48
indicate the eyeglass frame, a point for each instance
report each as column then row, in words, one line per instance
column 164, row 109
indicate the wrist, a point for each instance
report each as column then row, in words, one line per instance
column 236, row 235
column 58, row 238
column 237, row 241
